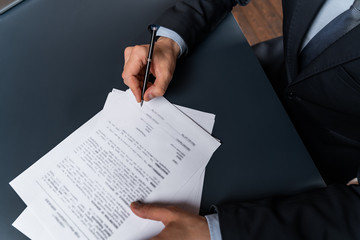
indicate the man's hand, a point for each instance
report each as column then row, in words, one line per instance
column 162, row 67
column 353, row 182
column 178, row 223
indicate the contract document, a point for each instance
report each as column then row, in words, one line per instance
column 82, row 189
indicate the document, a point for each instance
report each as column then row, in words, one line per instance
column 82, row 188
column 29, row 225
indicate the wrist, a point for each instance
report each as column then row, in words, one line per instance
column 169, row 44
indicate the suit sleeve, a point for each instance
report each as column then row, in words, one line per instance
column 193, row 19
column 329, row 213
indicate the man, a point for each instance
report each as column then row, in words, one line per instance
column 321, row 93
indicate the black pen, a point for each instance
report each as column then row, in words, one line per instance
column 153, row 29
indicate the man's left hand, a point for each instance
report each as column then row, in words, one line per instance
column 179, row 224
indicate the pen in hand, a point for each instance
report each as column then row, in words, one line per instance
column 153, row 29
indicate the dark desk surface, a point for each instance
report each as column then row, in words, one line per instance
column 59, row 59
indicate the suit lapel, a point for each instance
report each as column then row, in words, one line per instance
column 303, row 13
column 343, row 50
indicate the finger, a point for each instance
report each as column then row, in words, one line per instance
column 159, row 87
column 353, row 182
column 137, row 93
column 134, row 67
column 135, row 60
column 152, row 211
column 136, row 52
column 127, row 54
column 135, row 85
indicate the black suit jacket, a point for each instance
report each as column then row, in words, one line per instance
column 323, row 101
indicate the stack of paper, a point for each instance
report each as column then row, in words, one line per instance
column 83, row 187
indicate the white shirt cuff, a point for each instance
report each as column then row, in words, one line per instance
column 214, row 226
column 165, row 32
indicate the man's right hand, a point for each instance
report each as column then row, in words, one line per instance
column 162, row 67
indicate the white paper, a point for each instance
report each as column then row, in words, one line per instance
column 29, row 225
column 63, row 185
column 190, row 193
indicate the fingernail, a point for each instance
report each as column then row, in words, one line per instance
column 136, row 204
column 150, row 96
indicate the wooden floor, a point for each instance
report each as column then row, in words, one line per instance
column 260, row 20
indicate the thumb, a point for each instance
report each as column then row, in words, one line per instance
column 159, row 87
column 151, row 211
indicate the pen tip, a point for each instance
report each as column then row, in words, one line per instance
column 141, row 103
